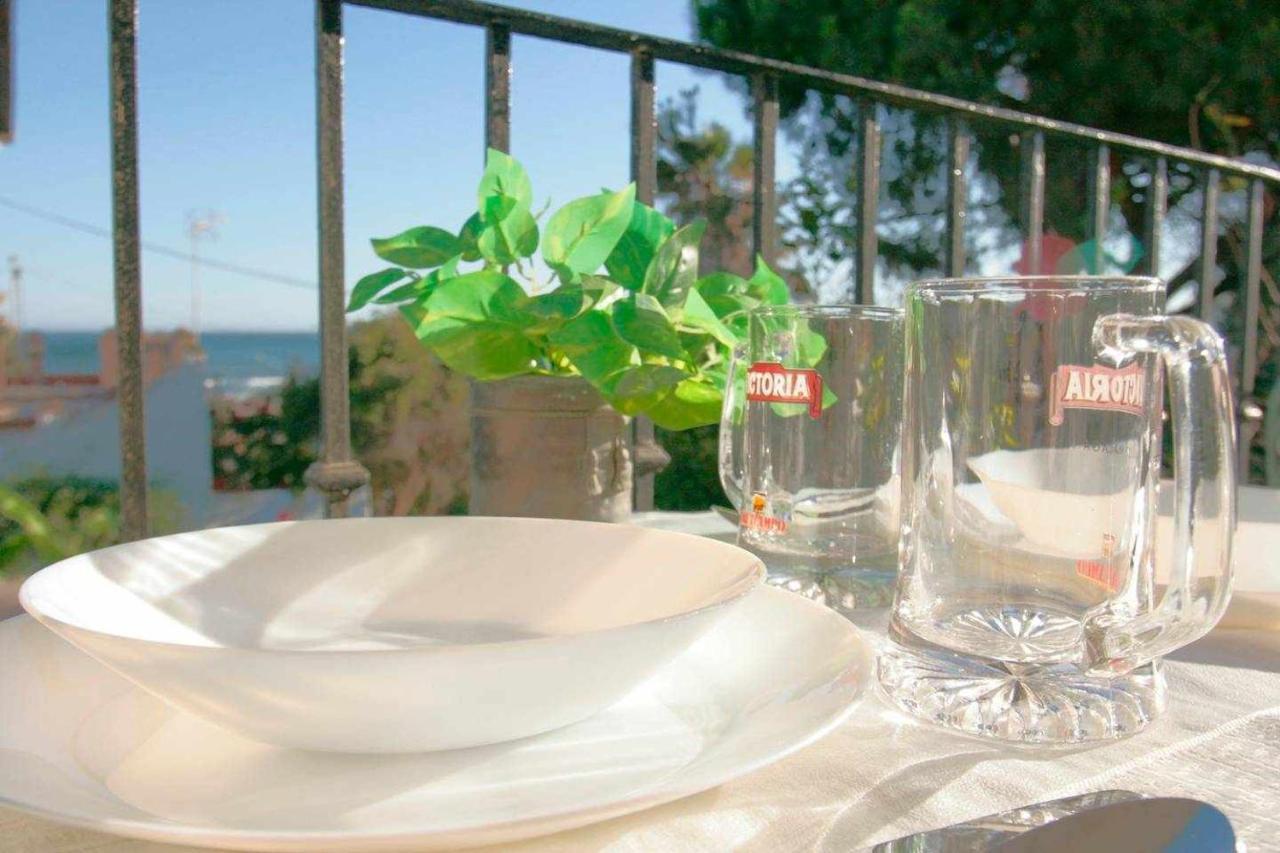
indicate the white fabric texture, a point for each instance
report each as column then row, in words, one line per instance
column 880, row 775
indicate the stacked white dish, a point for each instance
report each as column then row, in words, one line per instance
column 607, row 667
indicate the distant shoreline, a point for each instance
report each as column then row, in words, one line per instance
column 97, row 330
column 239, row 361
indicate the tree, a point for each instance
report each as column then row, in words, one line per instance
column 704, row 173
column 1187, row 72
column 1197, row 74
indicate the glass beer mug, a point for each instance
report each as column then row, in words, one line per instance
column 809, row 436
column 1027, row 607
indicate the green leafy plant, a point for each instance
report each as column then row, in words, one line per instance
column 624, row 306
column 46, row 519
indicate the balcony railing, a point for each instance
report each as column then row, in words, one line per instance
column 338, row 474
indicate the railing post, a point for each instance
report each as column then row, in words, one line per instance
column 1208, row 243
column 868, row 240
column 497, row 87
column 6, row 71
column 1033, row 171
column 1157, row 201
column 336, row 475
column 648, row 456
column 128, row 266
column 957, row 197
column 764, row 228
column 1099, row 203
column 1250, row 410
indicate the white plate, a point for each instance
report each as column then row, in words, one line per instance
column 81, row 745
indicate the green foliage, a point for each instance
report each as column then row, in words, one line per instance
column 46, row 519
column 408, row 427
column 640, row 331
column 1198, row 75
column 692, row 481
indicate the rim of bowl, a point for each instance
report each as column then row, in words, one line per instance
column 1039, row 284
column 735, row 591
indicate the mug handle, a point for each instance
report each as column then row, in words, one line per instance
column 731, row 431
column 1204, row 489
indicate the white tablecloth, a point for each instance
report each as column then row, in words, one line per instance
column 881, row 776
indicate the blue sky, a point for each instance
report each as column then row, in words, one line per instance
column 226, row 104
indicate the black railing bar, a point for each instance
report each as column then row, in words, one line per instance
column 644, row 171
column 128, row 267
column 1099, row 199
column 957, row 197
column 865, row 235
column 6, row 71
column 1033, row 174
column 1252, row 290
column 764, row 202
column 552, row 27
column 336, row 474
column 1208, row 243
column 1251, row 413
column 1157, row 200
column 497, row 87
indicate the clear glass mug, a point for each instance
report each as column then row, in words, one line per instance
column 1027, row 607
column 809, row 440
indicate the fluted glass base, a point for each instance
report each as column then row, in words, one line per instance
column 1042, row 704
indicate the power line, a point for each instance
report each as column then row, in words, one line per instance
column 155, row 248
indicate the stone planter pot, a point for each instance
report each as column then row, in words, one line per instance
column 548, row 446
column 9, row 605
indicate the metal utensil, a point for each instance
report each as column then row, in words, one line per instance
column 1102, row 820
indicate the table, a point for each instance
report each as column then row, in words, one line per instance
column 881, row 775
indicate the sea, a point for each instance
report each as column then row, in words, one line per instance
column 237, row 364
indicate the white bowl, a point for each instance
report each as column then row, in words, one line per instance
column 1064, row 501
column 393, row 634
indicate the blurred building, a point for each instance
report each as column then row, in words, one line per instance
column 58, row 424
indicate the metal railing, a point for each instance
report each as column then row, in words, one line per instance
column 337, row 473
column 6, row 71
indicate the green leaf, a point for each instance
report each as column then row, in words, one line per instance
column 511, row 238
column 413, row 290
column 722, row 284
column 505, row 228
column 483, row 350
column 674, row 268
column 420, row 288
column 550, row 311
column 593, row 347
column 811, row 346
column 449, row 269
column 639, row 320
column 419, row 248
column 699, row 315
column 599, row 289
column 473, row 323
column 635, row 389
column 484, row 295
column 582, row 234
column 694, row 402
column 503, row 177
column 766, row 285
column 645, row 232
column 373, row 284
column 469, row 238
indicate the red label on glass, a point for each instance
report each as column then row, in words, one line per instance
column 1076, row 386
column 770, row 382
